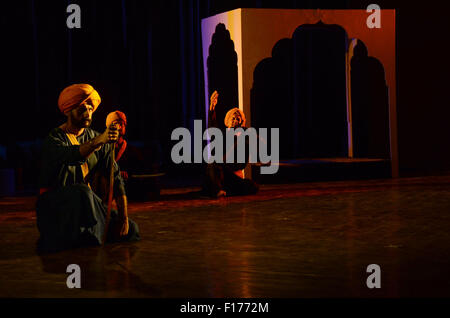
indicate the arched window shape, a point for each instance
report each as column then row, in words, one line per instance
column 271, row 97
column 369, row 103
column 223, row 72
column 320, row 90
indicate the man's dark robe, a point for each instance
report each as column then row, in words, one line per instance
column 69, row 214
column 222, row 176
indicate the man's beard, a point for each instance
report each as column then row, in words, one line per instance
column 82, row 123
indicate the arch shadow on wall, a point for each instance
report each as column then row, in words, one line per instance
column 223, row 72
column 302, row 89
column 370, row 105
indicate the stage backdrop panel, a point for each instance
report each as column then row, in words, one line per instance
column 255, row 57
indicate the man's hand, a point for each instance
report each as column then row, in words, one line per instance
column 213, row 99
column 122, row 227
column 124, row 175
column 111, row 134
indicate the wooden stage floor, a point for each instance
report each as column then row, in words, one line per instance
column 297, row 241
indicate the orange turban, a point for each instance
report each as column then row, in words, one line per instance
column 230, row 114
column 117, row 115
column 76, row 94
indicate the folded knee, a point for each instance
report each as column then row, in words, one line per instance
column 82, row 190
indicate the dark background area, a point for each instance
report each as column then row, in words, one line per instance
column 144, row 58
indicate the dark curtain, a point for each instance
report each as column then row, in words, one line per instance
column 144, row 58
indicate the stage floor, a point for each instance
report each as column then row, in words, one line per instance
column 296, row 240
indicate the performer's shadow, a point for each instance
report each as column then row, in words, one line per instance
column 105, row 269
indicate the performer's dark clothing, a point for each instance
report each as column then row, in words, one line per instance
column 221, row 176
column 69, row 213
column 133, row 161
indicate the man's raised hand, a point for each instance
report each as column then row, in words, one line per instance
column 213, row 99
column 111, row 134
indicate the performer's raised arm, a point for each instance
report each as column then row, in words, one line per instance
column 212, row 118
column 110, row 135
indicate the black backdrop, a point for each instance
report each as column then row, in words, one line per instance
column 144, row 57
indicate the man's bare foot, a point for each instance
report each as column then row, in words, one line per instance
column 221, row 193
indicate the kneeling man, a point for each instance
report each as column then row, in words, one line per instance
column 69, row 212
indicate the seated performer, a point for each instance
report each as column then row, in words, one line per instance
column 132, row 163
column 100, row 181
column 120, row 120
column 227, row 179
column 69, row 213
